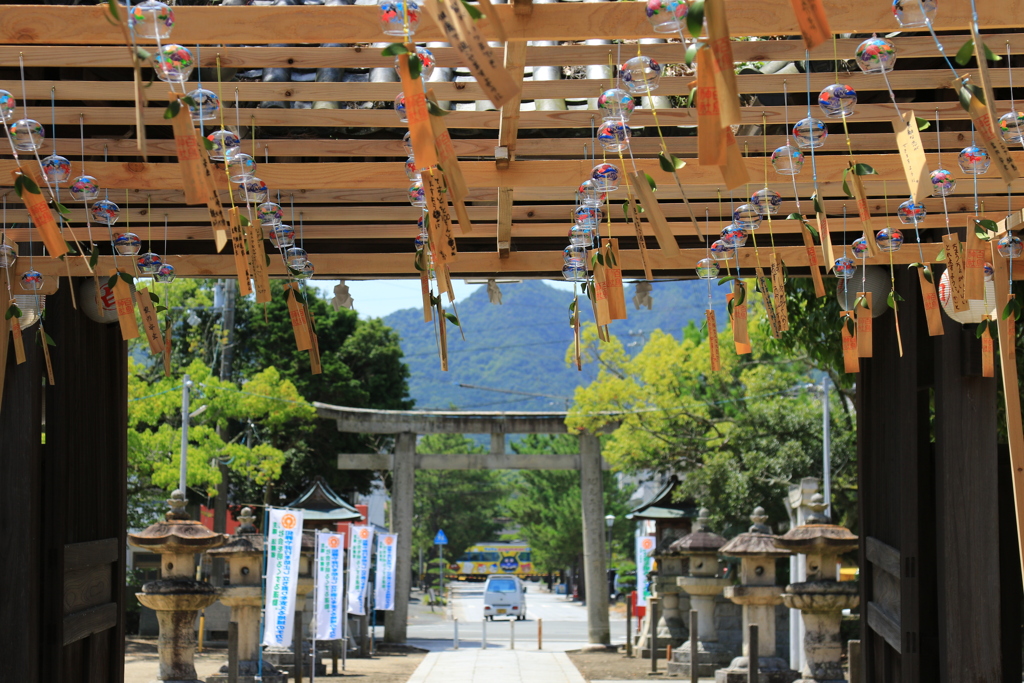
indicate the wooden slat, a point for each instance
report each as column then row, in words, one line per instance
column 87, row 622
column 883, row 556
column 236, row 57
column 88, row 587
column 359, row 24
column 882, row 623
column 504, row 227
column 576, row 88
column 89, row 554
column 574, row 118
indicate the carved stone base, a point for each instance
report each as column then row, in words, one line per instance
column 248, row 670
column 770, row 670
column 710, row 657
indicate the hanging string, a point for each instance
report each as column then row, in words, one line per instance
column 842, row 110
column 974, row 176
column 53, row 119
column 767, row 207
column 792, row 176
column 707, row 247
column 7, row 271
column 814, row 164
column 938, row 43
column 945, row 207
column 199, row 82
column 220, row 95
column 149, row 220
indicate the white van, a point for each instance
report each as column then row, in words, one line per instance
column 504, row 596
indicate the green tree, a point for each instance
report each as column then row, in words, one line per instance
column 267, row 402
column 466, row 504
column 737, row 437
column 546, row 505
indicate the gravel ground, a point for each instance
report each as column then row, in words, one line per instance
column 613, row 666
column 141, row 664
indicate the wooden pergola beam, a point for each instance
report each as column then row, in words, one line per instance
column 62, row 25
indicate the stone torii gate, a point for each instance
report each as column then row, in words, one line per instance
column 406, row 425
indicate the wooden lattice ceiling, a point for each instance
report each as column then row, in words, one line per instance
column 343, row 167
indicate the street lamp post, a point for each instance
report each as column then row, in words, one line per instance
column 609, row 522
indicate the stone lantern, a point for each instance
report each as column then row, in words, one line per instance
column 821, row 599
column 758, row 595
column 704, row 583
column 177, row 597
column 244, row 554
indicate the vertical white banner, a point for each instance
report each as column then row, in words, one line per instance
column 328, row 610
column 284, row 542
column 644, row 564
column 359, row 567
column 384, row 584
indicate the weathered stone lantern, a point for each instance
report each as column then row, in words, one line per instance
column 758, row 595
column 821, row 599
column 177, row 597
column 244, row 554
column 703, row 584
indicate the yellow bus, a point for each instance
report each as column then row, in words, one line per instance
column 484, row 559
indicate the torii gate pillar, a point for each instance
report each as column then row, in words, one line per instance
column 594, row 566
column 403, row 476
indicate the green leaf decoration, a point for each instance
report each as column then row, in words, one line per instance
column 583, row 287
column 794, row 217
column 473, row 11
column 923, row 124
column 207, row 143
column 928, row 274
column 728, row 278
column 244, row 221
column 846, row 188
column 980, row 232
column 691, row 54
column 849, row 326
column 172, row 109
column 12, row 312
column 267, row 257
column 965, row 99
column 161, row 309
column 415, row 66
column 63, row 210
column 30, row 185
column 988, row 224
column 861, row 301
column 395, row 49
column 650, row 181
column 112, row 282
column 989, row 55
column 189, row 101
column 625, row 209
column 127, row 278
column 741, row 296
column 695, row 18
column 731, row 306
column 864, row 169
column 942, row 255
column 978, row 93
column 94, row 256
column 452, row 319
column 49, row 339
column 434, row 110
column 670, row 163
column 611, row 259
column 818, row 207
column 964, row 54
column 982, row 326
column 71, row 249
column 154, row 298
column 811, row 229
column 572, row 307
column 112, row 6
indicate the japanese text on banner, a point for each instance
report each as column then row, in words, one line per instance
column 384, row 583
column 330, row 560
column 284, row 542
column 644, row 566
column 359, row 568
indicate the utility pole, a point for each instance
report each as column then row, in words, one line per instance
column 826, row 441
column 227, row 356
column 186, row 384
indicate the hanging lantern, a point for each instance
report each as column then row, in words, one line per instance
column 640, row 75
column 616, row 104
column 837, row 100
column 269, row 214
column 56, row 168
column 734, row 235
column 707, row 269
column 226, row 144
column 253, row 190
column 27, row 135
column 207, row 104
column 605, row 177
column 151, row 19
column 32, row 306
column 844, row 267
column 889, row 239
column 282, row 236
column 787, row 160
column 747, row 217
column 1009, row 246
column 722, row 251
column 31, row 280
column 588, row 216
column 613, row 136
column 8, row 255
column 974, row 160
column 295, row 257
column 810, row 133
column 393, row 14
column 417, row 195
column 173, row 63
column 913, row 13
column 105, row 212
column 149, row 263
column 911, row 213
column 241, row 168
column 574, row 271
column 874, row 279
column 165, row 273
column 127, row 243
column 859, row 247
column 943, row 182
column 7, row 106
column 589, row 194
column 977, row 308
column 876, row 55
column 767, row 202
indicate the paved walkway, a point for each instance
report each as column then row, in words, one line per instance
column 496, row 666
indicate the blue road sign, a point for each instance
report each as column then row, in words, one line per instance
column 440, row 539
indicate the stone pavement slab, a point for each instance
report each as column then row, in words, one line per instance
column 496, row 666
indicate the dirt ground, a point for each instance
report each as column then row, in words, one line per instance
column 615, row 666
column 141, row 664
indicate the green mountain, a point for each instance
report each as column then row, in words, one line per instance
column 520, row 345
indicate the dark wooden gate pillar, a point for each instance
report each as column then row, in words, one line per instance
column 63, row 504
